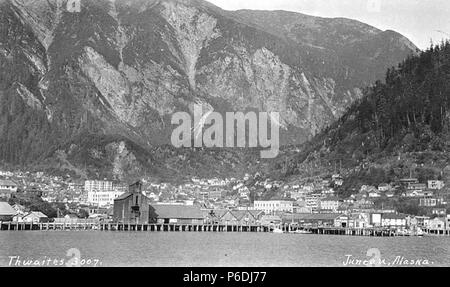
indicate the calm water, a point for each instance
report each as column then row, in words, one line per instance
column 215, row 249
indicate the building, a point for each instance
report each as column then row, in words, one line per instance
column 101, row 193
column 102, row 198
column 428, row 202
column 35, row 217
column 384, row 187
column 437, row 224
column 7, row 189
column 132, row 207
column 300, row 207
column 323, row 220
column 394, row 220
column 374, row 194
column 329, row 204
column 390, row 194
column 175, row 214
column 8, row 185
column 407, row 181
column 439, row 211
column 228, row 218
column 435, row 184
column 376, row 219
column 270, row 219
column 6, row 212
column 313, row 201
column 417, row 186
column 97, row 185
column 216, row 193
column 271, row 206
column 248, row 217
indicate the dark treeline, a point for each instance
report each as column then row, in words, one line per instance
column 409, row 112
column 415, row 95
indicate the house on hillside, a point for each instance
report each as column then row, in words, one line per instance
column 436, row 184
column 8, row 189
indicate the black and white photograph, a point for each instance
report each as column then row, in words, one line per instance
column 224, row 134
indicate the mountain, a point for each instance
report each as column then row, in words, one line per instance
column 399, row 128
column 92, row 88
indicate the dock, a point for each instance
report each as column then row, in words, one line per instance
column 286, row 228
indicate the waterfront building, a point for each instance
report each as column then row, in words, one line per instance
column 268, row 219
column 342, row 221
column 394, row 220
column 376, row 219
column 132, row 207
column 318, row 219
column 6, row 212
column 421, row 221
column 175, row 214
column 437, row 223
column 248, row 217
column 35, row 217
column 359, row 220
column 228, row 218
column 271, row 206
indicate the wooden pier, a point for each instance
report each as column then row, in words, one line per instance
column 28, row 226
column 287, row 228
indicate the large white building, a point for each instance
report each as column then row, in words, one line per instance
column 101, row 193
column 98, row 185
column 329, row 204
column 103, row 198
column 313, row 201
column 270, row 206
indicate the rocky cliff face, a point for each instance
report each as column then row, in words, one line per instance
column 116, row 70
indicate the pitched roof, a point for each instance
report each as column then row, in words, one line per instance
column 239, row 214
column 6, row 209
column 123, row 196
column 7, row 182
column 394, row 216
column 177, row 211
column 36, row 214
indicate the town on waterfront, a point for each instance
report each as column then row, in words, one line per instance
column 34, row 197
column 220, row 132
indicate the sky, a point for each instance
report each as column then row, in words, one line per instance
column 421, row 21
